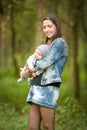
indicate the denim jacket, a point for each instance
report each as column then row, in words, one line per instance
column 53, row 63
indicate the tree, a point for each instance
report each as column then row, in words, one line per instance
column 84, row 27
column 3, row 44
column 75, row 16
column 71, row 19
column 13, row 38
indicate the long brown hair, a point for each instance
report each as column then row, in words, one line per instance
column 55, row 20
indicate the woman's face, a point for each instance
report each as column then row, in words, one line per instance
column 49, row 28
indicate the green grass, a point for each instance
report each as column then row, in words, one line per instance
column 70, row 113
column 12, row 120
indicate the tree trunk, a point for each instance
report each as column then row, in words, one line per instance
column 75, row 16
column 84, row 27
column 3, row 45
column 76, row 81
column 13, row 41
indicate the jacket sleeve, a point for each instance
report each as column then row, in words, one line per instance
column 58, row 49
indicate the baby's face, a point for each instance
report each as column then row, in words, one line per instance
column 38, row 54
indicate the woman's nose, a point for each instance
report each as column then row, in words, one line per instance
column 46, row 29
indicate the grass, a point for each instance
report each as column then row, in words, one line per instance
column 71, row 114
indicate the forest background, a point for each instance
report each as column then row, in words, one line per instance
column 20, row 33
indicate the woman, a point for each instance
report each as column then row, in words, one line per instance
column 44, row 89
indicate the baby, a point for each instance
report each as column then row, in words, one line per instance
column 40, row 52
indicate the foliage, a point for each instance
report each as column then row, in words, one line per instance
column 71, row 115
column 12, row 120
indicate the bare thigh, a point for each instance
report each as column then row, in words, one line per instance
column 34, row 117
column 48, row 118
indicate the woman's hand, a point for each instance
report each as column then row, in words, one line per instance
column 28, row 71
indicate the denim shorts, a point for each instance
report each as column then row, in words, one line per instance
column 45, row 96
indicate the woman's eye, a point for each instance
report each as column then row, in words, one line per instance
column 50, row 26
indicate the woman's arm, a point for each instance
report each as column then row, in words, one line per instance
column 58, row 49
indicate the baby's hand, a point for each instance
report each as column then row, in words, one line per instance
column 28, row 72
column 33, row 72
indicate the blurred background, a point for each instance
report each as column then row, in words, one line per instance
column 20, row 32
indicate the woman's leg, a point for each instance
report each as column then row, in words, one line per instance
column 34, row 117
column 48, row 118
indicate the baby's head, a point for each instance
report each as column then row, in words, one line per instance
column 41, row 51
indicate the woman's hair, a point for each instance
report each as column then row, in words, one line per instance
column 55, row 20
